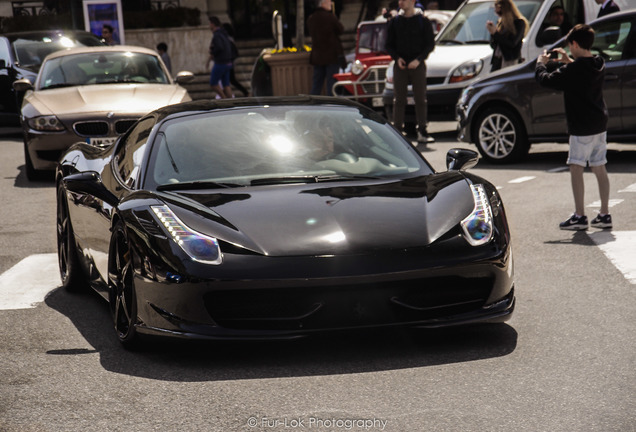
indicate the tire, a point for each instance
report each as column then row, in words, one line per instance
column 500, row 136
column 73, row 278
column 121, row 284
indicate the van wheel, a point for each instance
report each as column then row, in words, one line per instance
column 500, row 136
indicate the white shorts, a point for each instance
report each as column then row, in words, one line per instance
column 586, row 149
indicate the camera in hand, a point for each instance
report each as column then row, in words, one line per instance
column 553, row 54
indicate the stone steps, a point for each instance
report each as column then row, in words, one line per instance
column 249, row 51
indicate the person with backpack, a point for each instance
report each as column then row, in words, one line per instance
column 410, row 40
column 221, row 54
column 235, row 53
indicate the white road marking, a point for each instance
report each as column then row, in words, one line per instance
column 611, row 203
column 522, row 179
column 620, row 249
column 559, row 169
column 630, row 188
column 28, row 282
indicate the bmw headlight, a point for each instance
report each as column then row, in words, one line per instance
column 199, row 247
column 466, row 71
column 357, row 68
column 46, row 123
column 478, row 225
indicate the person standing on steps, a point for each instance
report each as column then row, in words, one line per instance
column 221, row 54
column 325, row 30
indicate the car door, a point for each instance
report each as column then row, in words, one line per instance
column 611, row 39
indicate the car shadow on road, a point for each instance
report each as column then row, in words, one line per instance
column 326, row 354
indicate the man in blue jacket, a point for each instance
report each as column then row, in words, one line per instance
column 221, row 55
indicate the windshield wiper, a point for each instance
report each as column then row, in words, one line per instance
column 452, row 42
column 477, row 42
column 196, row 185
column 309, row 179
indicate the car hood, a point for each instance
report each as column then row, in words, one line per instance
column 347, row 218
column 445, row 58
column 129, row 98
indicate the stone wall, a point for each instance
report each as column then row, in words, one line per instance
column 187, row 46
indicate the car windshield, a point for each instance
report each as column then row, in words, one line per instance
column 278, row 145
column 468, row 26
column 31, row 51
column 101, row 68
column 372, row 38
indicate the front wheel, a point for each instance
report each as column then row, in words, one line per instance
column 123, row 301
column 70, row 271
column 500, row 137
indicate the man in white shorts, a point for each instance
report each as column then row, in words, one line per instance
column 581, row 81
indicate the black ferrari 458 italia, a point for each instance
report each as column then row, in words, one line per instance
column 276, row 218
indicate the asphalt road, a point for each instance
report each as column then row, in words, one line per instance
column 565, row 362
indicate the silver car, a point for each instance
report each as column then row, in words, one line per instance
column 91, row 95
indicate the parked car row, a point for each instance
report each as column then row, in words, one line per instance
column 69, row 86
column 458, row 70
column 505, row 113
column 91, row 95
column 22, row 54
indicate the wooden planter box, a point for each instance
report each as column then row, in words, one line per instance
column 291, row 73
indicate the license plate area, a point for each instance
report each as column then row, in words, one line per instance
column 101, row 141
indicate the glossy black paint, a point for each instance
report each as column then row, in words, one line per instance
column 405, row 261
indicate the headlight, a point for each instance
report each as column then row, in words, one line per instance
column 477, row 226
column 46, row 123
column 465, row 96
column 357, row 67
column 466, row 71
column 198, row 246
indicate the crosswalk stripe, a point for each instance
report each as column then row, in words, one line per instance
column 28, row 282
column 619, row 248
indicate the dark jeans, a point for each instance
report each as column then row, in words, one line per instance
column 320, row 74
column 401, row 79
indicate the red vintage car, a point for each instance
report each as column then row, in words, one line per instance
column 363, row 80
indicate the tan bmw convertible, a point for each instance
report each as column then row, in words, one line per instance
column 91, row 95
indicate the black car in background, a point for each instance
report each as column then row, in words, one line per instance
column 506, row 112
column 21, row 55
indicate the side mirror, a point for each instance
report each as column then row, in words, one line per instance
column 184, row 77
column 550, row 35
column 89, row 183
column 461, row 159
column 22, row 85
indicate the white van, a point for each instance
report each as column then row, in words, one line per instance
column 462, row 49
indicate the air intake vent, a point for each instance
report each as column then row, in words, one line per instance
column 94, row 128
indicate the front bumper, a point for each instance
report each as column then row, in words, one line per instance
column 405, row 290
